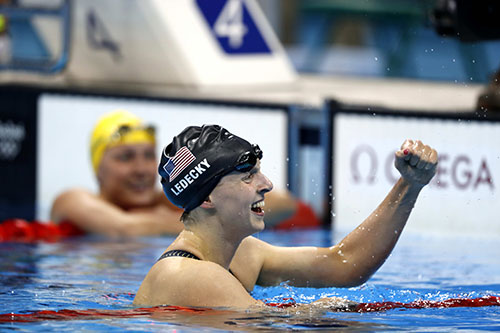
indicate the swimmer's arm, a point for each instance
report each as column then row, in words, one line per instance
column 353, row 260
column 280, row 205
column 363, row 251
column 331, row 304
column 92, row 214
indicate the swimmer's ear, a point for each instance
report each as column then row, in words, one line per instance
column 207, row 203
column 98, row 175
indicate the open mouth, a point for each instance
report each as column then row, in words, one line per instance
column 140, row 187
column 258, row 207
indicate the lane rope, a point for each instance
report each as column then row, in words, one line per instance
column 91, row 314
column 19, row 230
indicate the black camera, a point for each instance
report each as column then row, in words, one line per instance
column 467, row 20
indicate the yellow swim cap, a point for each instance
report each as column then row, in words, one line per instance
column 117, row 128
column 3, row 23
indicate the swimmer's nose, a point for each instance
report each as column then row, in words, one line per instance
column 144, row 166
column 266, row 185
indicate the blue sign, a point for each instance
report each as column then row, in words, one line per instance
column 233, row 26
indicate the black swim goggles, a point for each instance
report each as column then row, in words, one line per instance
column 126, row 129
column 248, row 159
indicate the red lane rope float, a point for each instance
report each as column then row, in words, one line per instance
column 304, row 217
column 19, row 230
column 423, row 304
column 90, row 314
column 287, row 302
column 66, row 314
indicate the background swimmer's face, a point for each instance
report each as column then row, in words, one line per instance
column 127, row 175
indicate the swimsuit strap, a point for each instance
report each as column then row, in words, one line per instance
column 182, row 253
column 178, row 253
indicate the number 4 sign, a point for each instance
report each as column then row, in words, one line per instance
column 233, row 26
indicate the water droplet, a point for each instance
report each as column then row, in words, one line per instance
column 376, row 58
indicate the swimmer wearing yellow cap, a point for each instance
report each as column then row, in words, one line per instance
column 123, row 157
column 122, row 151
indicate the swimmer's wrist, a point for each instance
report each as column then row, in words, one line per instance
column 412, row 185
column 336, row 304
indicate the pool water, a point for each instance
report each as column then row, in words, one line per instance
column 95, row 273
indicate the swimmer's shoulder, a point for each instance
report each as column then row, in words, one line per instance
column 76, row 192
column 68, row 200
column 249, row 260
column 252, row 251
column 252, row 244
column 184, row 282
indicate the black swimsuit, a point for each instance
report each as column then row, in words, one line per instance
column 178, row 253
column 182, row 253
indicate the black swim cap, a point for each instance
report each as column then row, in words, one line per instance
column 196, row 160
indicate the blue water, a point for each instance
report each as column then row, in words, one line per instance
column 95, row 273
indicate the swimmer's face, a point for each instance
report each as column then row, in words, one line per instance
column 127, row 175
column 238, row 200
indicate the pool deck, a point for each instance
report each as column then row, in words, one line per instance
column 310, row 91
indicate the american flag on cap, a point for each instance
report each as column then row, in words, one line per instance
column 181, row 160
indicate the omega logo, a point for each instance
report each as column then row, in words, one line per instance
column 11, row 137
column 458, row 171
